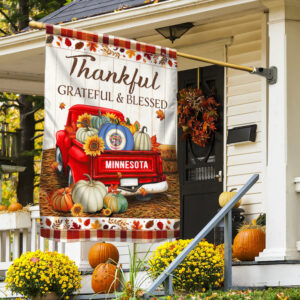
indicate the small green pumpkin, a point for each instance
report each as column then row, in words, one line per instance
column 98, row 121
column 142, row 140
column 84, row 132
column 117, row 203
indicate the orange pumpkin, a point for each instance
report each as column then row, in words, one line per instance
column 248, row 243
column 101, row 252
column 15, row 206
column 3, row 207
column 105, row 279
column 62, row 199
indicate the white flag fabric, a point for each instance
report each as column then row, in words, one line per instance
column 109, row 166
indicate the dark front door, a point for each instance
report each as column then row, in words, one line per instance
column 201, row 168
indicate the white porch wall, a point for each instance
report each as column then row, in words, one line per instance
column 240, row 40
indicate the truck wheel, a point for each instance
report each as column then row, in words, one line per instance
column 59, row 160
column 70, row 177
column 144, row 198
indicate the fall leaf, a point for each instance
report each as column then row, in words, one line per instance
column 160, row 114
column 79, row 45
column 155, row 144
column 136, row 225
column 119, row 175
column 71, row 130
column 113, row 188
column 130, row 53
column 54, row 166
column 62, row 105
column 96, row 225
column 68, row 42
column 143, row 192
column 93, row 46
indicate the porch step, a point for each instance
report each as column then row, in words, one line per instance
column 86, row 291
column 266, row 274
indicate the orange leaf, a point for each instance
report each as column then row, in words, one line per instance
column 62, row 105
column 119, row 174
column 54, row 166
column 143, row 192
column 160, row 114
column 113, row 188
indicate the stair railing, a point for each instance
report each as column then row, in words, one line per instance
column 225, row 213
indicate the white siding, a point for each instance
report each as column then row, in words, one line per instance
column 240, row 40
column 245, row 98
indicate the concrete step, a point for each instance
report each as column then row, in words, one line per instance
column 266, row 274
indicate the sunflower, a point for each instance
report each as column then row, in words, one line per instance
column 112, row 116
column 94, row 145
column 85, row 119
column 77, row 210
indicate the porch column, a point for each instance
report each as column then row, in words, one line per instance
column 283, row 163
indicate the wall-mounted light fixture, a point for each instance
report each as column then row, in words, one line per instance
column 175, row 31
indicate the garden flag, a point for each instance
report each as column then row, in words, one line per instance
column 109, row 168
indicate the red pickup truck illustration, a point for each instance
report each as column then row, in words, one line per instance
column 127, row 161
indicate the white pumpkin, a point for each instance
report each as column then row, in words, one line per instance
column 84, row 132
column 142, row 140
column 89, row 194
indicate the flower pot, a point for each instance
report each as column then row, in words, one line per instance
column 49, row 296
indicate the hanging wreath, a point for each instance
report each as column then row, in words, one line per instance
column 197, row 115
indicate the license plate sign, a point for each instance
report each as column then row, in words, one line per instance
column 129, row 182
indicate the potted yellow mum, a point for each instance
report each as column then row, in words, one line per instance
column 43, row 275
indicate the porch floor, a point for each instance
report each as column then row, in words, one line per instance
column 266, row 274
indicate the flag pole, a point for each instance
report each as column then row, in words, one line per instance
column 269, row 73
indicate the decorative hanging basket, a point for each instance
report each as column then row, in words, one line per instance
column 197, row 115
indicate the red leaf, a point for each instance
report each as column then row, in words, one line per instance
column 160, row 225
column 87, row 222
column 48, row 222
column 68, row 42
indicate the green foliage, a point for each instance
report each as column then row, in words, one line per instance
column 266, row 294
column 132, row 287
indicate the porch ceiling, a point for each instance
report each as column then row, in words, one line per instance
column 22, row 55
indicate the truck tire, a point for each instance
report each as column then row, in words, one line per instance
column 59, row 160
column 70, row 177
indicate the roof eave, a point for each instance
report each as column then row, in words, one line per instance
column 128, row 22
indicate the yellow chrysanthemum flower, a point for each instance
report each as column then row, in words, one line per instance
column 94, row 146
column 84, row 119
column 77, row 210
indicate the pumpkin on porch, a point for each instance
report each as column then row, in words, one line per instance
column 105, row 279
column 249, row 242
column 3, row 207
column 102, row 253
column 15, row 206
column 225, row 197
